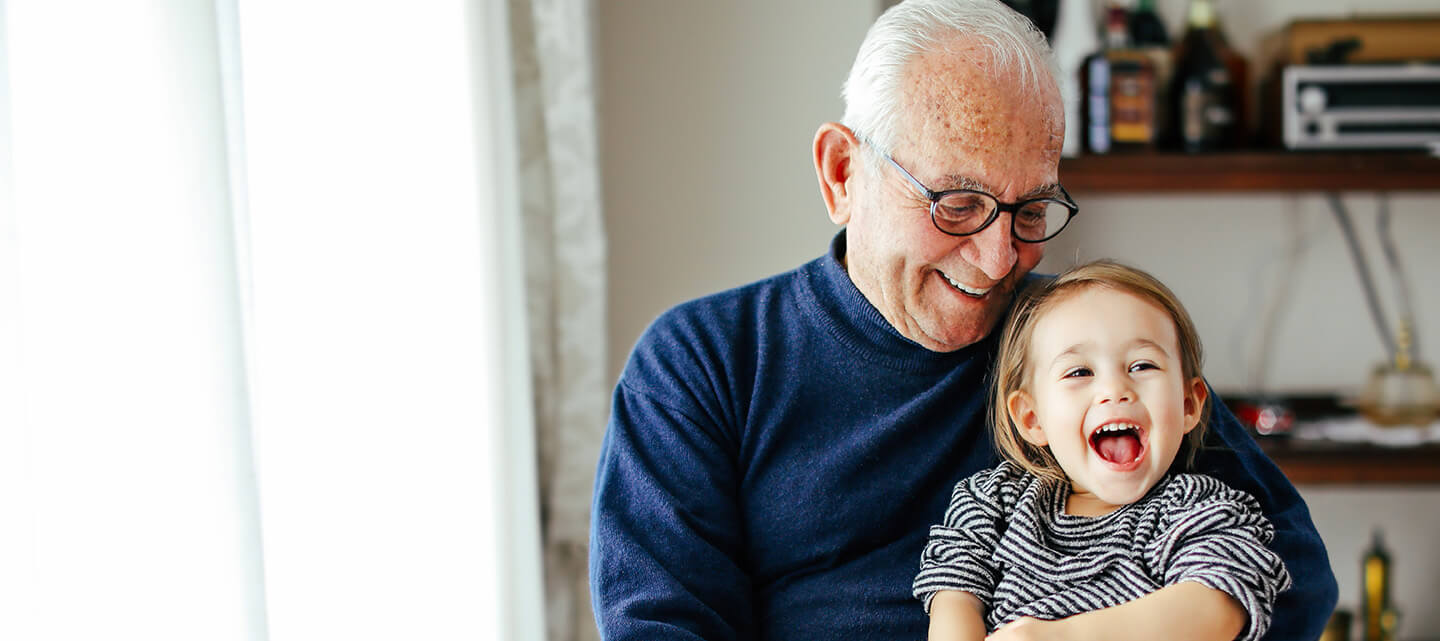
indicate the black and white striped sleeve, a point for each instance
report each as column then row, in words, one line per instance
column 1217, row 537
column 959, row 553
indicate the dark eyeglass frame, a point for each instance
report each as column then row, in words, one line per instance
column 1012, row 208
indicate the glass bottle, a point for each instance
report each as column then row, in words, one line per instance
column 1075, row 40
column 1375, row 595
column 1098, row 83
column 1204, row 98
column 1145, row 26
column 1132, row 93
column 1149, row 36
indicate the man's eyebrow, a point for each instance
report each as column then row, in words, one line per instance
column 966, row 182
column 1050, row 190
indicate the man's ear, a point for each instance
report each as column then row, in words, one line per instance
column 1022, row 413
column 1196, row 393
column 837, row 151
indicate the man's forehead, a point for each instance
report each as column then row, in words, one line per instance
column 948, row 97
column 957, row 105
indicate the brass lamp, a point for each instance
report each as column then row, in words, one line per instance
column 1401, row 391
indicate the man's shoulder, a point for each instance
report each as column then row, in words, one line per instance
column 709, row 331
column 749, row 294
column 720, row 314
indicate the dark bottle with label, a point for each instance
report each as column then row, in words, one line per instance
column 1204, row 97
column 1121, row 92
column 1097, row 83
column 1148, row 36
column 1145, row 26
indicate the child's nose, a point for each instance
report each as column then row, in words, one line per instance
column 1115, row 391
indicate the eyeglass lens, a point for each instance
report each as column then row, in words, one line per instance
column 965, row 213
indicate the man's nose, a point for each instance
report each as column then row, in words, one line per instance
column 993, row 249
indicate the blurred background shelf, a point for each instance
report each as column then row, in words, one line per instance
column 1318, row 462
column 1251, row 171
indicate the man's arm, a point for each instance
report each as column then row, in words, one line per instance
column 665, row 547
column 1301, row 611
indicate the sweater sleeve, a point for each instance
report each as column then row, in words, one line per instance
column 1217, row 538
column 666, row 550
column 959, row 554
column 1233, row 457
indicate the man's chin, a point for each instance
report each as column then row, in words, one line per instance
column 962, row 333
column 950, row 320
column 956, row 337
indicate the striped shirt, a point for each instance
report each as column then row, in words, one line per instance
column 1007, row 540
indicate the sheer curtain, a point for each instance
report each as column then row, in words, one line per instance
column 565, row 275
column 263, row 364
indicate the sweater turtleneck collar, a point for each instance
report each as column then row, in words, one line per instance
column 855, row 322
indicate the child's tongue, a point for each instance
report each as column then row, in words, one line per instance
column 1120, row 447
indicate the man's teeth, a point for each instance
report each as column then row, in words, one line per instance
column 968, row 290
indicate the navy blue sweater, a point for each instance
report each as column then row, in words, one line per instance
column 776, row 454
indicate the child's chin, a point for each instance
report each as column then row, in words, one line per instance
column 1121, row 495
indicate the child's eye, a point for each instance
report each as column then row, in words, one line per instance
column 1076, row 371
column 1143, row 365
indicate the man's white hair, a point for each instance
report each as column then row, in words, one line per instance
column 872, row 92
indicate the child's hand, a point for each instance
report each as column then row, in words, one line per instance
column 1027, row 629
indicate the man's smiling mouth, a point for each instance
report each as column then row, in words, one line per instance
column 968, row 291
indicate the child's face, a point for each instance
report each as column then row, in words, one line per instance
column 1107, row 394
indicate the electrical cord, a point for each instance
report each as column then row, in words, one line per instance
column 1363, row 270
column 1402, row 284
column 1271, row 301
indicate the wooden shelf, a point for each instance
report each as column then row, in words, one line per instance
column 1251, row 171
column 1329, row 463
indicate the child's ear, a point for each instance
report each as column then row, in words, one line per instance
column 1022, row 414
column 1194, row 400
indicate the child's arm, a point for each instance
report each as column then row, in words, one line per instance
column 1181, row 612
column 957, row 576
column 956, row 616
column 1220, row 579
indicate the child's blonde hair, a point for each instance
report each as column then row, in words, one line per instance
column 1012, row 368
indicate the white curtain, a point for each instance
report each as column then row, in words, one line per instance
column 565, row 275
column 263, row 364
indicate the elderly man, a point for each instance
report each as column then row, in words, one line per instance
column 777, row 452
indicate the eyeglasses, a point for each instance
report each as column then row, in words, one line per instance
column 963, row 212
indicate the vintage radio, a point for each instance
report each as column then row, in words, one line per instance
column 1361, row 106
column 1364, row 39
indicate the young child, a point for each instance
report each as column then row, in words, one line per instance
column 1097, row 391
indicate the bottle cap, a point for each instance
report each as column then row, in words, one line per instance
column 1202, row 14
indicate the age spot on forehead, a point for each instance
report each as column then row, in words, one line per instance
column 967, row 103
column 960, row 105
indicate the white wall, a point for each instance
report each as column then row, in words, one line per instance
column 1230, row 257
column 1410, row 522
column 707, row 111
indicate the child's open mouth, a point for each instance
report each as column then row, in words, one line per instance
column 1120, row 444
